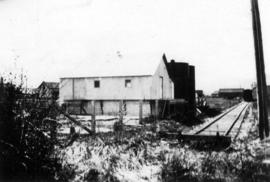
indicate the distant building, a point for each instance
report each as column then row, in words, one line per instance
column 48, row 90
column 214, row 94
column 230, row 93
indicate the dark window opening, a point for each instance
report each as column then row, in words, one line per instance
column 128, row 83
column 96, row 84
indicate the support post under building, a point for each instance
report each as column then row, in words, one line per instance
column 156, row 114
column 121, row 112
column 140, row 111
column 93, row 116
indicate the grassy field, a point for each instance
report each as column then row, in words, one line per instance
column 139, row 154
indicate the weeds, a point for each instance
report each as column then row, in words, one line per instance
column 176, row 169
column 26, row 140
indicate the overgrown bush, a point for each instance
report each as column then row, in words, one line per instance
column 27, row 140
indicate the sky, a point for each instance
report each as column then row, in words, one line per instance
column 46, row 39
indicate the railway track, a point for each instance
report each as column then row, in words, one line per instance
column 217, row 134
column 227, row 124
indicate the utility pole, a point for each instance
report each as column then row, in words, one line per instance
column 260, row 71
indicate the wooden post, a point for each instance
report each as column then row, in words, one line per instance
column 81, row 106
column 140, row 111
column 156, row 109
column 93, row 117
column 156, row 114
column 260, row 71
column 101, row 107
column 164, row 108
column 121, row 112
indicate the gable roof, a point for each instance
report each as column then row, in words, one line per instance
column 127, row 65
column 50, row 85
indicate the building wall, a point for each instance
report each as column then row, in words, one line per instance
column 111, row 88
column 65, row 90
column 168, row 87
column 132, row 108
column 110, row 107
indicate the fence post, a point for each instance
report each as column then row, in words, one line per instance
column 93, row 117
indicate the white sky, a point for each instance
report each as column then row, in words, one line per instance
column 48, row 38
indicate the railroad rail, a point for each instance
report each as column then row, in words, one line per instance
column 217, row 119
column 224, row 124
column 218, row 134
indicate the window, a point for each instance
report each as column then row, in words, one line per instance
column 96, row 84
column 128, row 83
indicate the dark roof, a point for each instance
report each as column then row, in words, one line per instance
column 51, row 85
column 230, row 90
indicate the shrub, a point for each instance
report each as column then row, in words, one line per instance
column 26, row 142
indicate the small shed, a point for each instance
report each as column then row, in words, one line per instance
column 48, row 90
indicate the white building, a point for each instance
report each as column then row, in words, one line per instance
column 125, row 79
